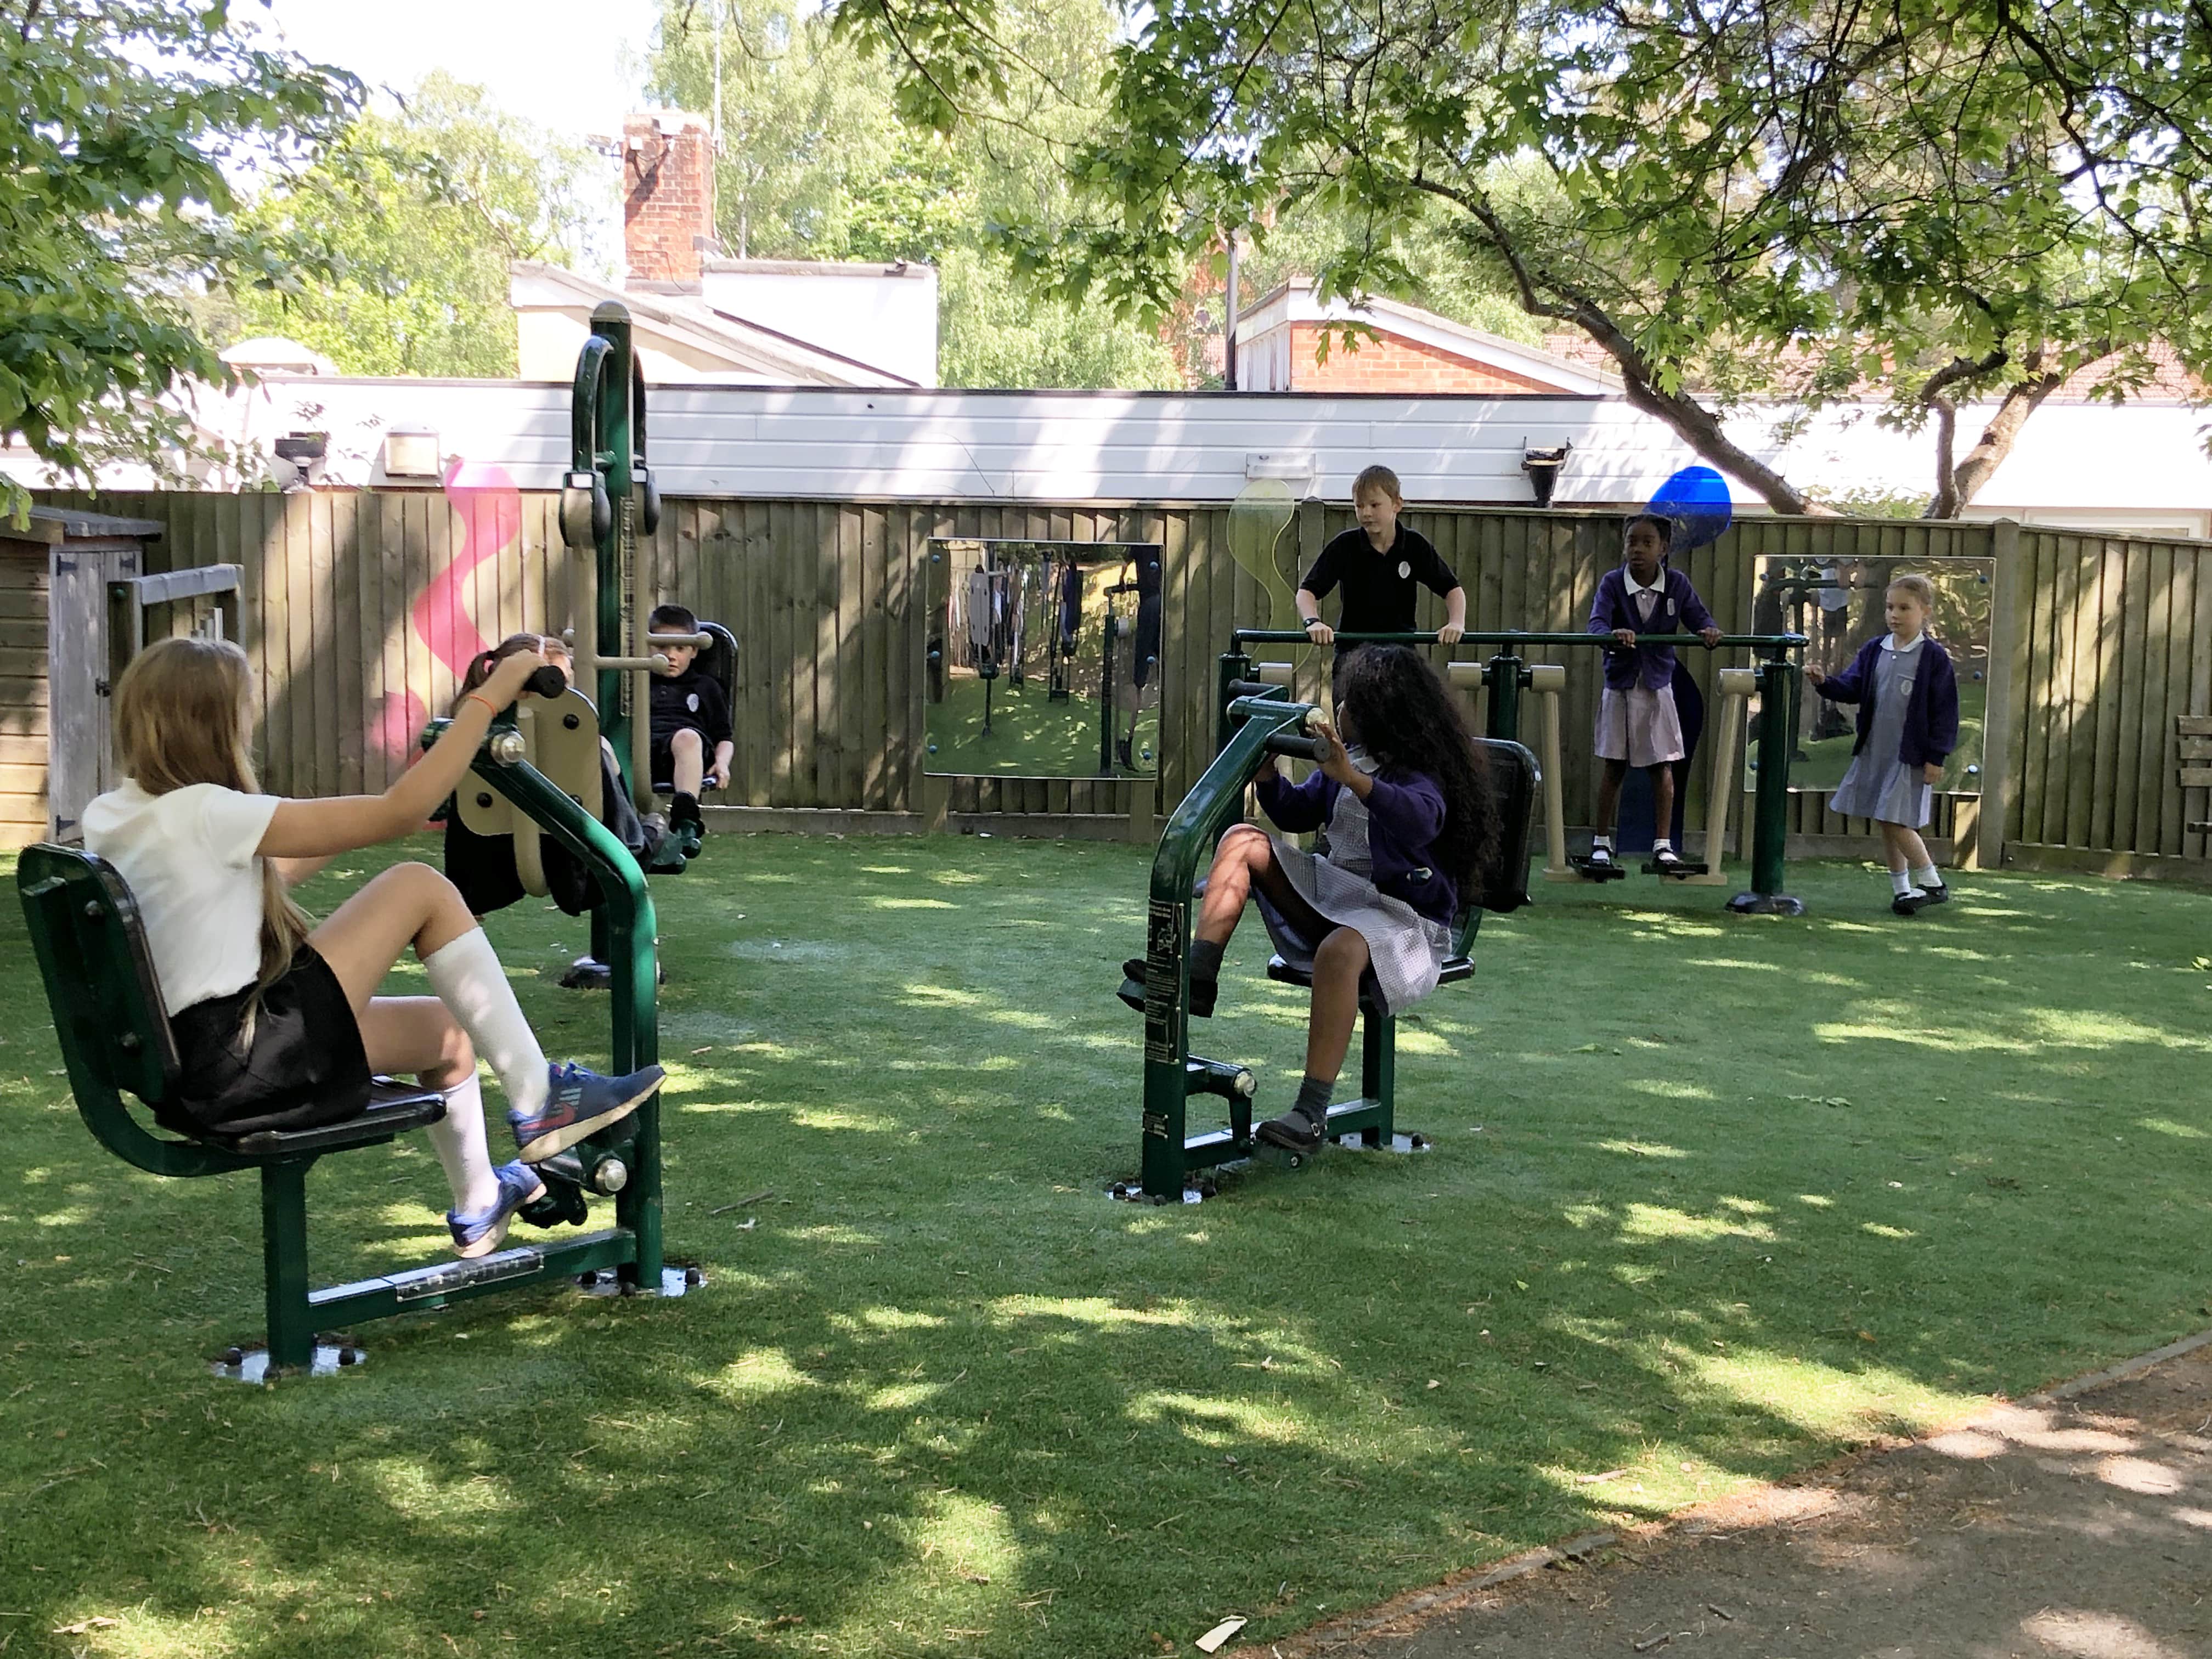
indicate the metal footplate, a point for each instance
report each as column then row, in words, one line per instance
column 1609, row 871
column 1680, row 870
column 442, row 1283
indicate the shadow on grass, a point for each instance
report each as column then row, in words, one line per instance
column 1711, row 1200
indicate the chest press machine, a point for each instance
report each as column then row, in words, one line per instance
column 536, row 778
column 114, row 1035
column 1260, row 722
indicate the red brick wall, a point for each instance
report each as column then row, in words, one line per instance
column 668, row 198
column 1390, row 362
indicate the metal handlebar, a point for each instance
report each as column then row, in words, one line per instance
column 1772, row 643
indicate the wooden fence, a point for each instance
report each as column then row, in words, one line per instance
column 359, row 605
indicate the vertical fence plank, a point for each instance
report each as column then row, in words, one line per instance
column 2104, row 688
column 857, row 734
column 2181, row 603
column 339, row 516
column 2200, row 668
column 2142, row 700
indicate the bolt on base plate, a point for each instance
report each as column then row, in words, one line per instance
column 605, row 1281
column 245, row 1364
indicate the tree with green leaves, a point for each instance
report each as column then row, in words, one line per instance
column 420, row 214
column 125, row 124
column 1934, row 202
column 816, row 163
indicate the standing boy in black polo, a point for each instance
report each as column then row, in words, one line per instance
column 1379, row 566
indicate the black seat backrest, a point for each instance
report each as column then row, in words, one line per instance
column 719, row 660
column 1502, row 883
column 99, row 973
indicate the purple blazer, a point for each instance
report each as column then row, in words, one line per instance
column 1404, row 819
column 1679, row 612
column 1931, row 712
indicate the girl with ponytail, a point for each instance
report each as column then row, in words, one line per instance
column 276, row 1018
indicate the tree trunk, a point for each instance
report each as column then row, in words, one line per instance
column 1700, row 428
column 1696, row 425
column 2021, row 399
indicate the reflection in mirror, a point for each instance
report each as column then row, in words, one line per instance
column 1836, row 604
column 1042, row 658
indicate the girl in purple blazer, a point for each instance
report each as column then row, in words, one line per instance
column 1908, row 699
column 1410, row 816
column 1637, row 725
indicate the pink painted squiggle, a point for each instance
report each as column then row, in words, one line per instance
column 491, row 508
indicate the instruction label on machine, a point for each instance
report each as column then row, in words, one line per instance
column 1162, row 980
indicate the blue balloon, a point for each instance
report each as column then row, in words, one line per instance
column 1697, row 500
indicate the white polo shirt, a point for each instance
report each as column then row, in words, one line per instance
column 189, row 858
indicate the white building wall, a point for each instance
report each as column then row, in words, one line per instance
column 885, row 317
column 2141, row 467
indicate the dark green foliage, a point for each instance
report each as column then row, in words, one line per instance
column 116, row 207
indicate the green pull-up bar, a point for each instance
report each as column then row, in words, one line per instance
column 1769, row 645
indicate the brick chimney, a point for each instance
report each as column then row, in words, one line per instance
column 668, row 195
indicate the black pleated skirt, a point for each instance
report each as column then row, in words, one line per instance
column 301, row 1065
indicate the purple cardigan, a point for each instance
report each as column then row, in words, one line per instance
column 1679, row 612
column 1405, row 818
column 1931, row 712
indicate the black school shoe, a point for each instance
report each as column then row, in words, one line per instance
column 1908, row 904
column 1293, row 1132
column 1202, row 991
column 1936, row 895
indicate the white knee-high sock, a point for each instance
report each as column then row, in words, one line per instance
column 459, row 1138
column 468, row 979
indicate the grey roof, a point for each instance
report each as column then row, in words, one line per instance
column 55, row 525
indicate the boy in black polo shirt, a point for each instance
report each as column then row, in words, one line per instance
column 1378, row 565
column 690, row 721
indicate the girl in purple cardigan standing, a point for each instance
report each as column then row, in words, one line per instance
column 1908, row 699
column 1636, row 724
column 1409, row 814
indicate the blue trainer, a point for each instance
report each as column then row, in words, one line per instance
column 580, row 1102
column 480, row 1234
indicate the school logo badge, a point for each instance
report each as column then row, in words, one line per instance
column 691, row 702
column 1404, row 570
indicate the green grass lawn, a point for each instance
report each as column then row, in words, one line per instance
column 1031, row 736
column 1710, row 1200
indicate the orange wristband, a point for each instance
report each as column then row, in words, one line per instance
column 473, row 697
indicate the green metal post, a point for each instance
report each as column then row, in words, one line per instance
column 1503, row 675
column 1230, row 666
column 1378, row 1071
column 284, row 1265
column 614, row 453
column 632, row 942
column 1192, row 830
column 1770, row 829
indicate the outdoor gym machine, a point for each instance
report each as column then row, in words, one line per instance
column 607, row 496
column 1774, row 679
column 1261, row 723
column 114, row 1030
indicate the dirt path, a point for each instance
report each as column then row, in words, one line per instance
column 2074, row 1525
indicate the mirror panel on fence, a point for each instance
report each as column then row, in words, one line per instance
column 1836, row 604
column 1042, row 658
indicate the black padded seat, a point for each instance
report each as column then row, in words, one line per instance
column 1455, row 970
column 394, row 1108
